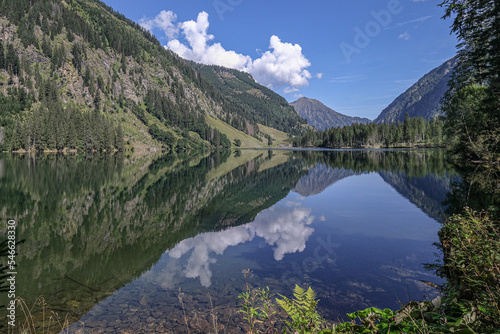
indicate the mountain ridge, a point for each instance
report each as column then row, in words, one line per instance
column 322, row 117
column 422, row 99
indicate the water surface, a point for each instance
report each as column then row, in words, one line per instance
column 128, row 244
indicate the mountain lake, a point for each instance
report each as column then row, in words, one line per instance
column 165, row 244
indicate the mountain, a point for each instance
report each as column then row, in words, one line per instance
column 322, row 117
column 259, row 104
column 75, row 74
column 423, row 99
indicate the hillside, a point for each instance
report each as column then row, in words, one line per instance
column 423, row 99
column 259, row 104
column 322, row 117
column 76, row 74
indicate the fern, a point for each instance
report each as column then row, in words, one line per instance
column 302, row 310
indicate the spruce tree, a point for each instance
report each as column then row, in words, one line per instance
column 472, row 104
column 2, row 57
column 12, row 60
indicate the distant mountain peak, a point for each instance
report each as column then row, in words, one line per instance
column 321, row 116
column 423, row 99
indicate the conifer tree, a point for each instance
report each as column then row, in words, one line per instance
column 12, row 60
column 472, row 104
column 2, row 56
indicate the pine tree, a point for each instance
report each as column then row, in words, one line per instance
column 472, row 104
column 12, row 60
column 119, row 141
column 2, row 56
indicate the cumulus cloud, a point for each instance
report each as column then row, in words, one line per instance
column 164, row 21
column 282, row 66
column 199, row 50
column 285, row 65
column 283, row 228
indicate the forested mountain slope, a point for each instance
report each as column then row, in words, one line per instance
column 423, row 99
column 259, row 104
column 76, row 74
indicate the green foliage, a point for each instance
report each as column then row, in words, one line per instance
column 302, row 311
column 415, row 317
column 269, row 139
column 165, row 137
column 472, row 262
column 447, row 315
column 472, row 102
column 413, row 131
column 2, row 56
column 12, row 63
column 257, row 309
column 249, row 102
column 56, row 129
column 473, row 133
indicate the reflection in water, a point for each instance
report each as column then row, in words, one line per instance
column 285, row 229
column 144, row 228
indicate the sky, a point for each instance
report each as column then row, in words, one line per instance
column 355, row 56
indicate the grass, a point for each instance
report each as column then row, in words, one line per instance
column 471, row 244
column 279, row 137
column 37, row 319
column 232, row 134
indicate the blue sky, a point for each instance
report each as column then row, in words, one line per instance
column 355, row 56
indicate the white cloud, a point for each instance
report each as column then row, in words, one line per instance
column 405, row 36
column 285, row 65
column 347, row 79
column 417, row 20
column 282, row 66
column 319, row 75
column 288, row 90
column 285, row 229
column 164, row 21
column 195, row 33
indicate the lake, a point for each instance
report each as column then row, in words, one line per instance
column 131, row 244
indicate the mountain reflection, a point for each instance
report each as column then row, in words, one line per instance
column 96, row 223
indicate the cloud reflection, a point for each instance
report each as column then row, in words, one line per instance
column 285, row 229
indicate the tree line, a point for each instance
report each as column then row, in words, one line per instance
column 412, row 131
column 472, row 103
column 61, row 128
